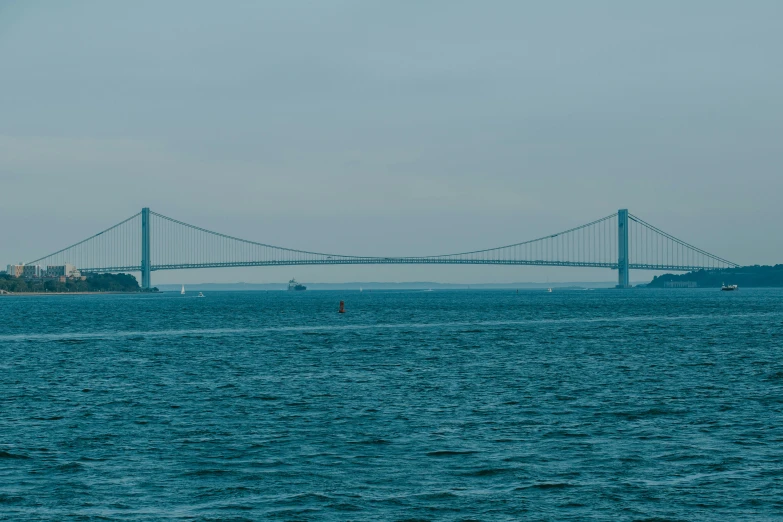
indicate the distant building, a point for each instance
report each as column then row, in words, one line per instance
column 15, row 270
column 26, row 271
column 31, row 271
column 680, row 284
column 66, row 270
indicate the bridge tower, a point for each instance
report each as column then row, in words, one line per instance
column 145, row 248
column 622, row 249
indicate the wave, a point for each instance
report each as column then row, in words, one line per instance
column 450, row 453
column 370, row 442
column 545, row 485
column 489, row 472
column 7, row 455
column 79, row 337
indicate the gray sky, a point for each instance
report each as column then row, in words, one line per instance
column 392, row 128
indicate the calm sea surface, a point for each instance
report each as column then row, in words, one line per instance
column 449, row 405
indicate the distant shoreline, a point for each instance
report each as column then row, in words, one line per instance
column 413, row 285
column 23, row 294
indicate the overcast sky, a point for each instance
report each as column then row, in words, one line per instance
column 392, row 128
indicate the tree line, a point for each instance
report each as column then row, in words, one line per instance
column 744, row 276
column 93, row 283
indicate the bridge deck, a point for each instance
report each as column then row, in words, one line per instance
column 396, row 261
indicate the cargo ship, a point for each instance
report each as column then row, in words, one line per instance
column 294, row 286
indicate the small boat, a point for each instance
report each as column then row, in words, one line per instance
column 549, row 290
column 200, row 294
column 183, row 290
column 728, row 288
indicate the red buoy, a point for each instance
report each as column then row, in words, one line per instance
column 342, row 307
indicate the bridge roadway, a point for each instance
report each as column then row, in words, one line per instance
column 397, row 261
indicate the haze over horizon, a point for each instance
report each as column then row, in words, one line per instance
column 392, row 129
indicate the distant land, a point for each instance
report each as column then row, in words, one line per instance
column 746, row 276
column 92, row 283
column 418, row 285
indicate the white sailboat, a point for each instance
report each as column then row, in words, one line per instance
column 183, row 290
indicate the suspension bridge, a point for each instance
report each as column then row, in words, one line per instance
column 148, row 241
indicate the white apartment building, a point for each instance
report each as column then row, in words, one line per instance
column 15, row 270
column 26, row 271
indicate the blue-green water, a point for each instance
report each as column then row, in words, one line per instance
column 605, row 405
